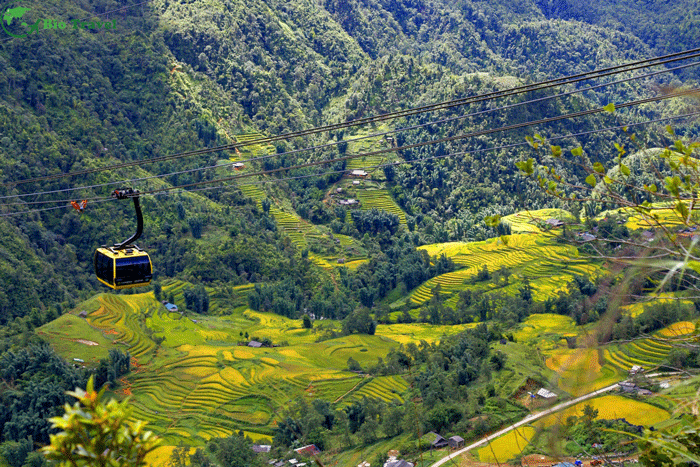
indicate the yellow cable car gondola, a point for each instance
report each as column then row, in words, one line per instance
column 124, row 265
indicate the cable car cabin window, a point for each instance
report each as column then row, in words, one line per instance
column 104, row 267
column 134, row 270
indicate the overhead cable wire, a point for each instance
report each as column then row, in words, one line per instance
column 445, row 139
column 335, row 143
column 378, row 166
column 455, row 154
column 646, row 63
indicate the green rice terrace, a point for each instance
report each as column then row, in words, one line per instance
column 549, row 266
column 198, row 383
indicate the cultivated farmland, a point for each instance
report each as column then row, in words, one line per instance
column 198, row 383
column 548, row 266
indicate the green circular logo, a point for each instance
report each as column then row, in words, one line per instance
column 14, row 21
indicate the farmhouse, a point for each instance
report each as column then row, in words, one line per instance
column 627, row 386
column 438, row 442
column 553, row 222
column 456, row 442
column 83, row 314
column 258, row 448
column 636, row 369
column 255, row 344
column 393, row 462
column 170, row 307
column 358, row 173
column 545, row 394
column 348, row 202
column 308, row 450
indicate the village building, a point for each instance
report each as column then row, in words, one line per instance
column 309, row 450
column 255, row 344
column 393, row 462
column 171, row 307
column 358, row 173
column 439, row 442
column 258, row 448
column 545, row 394
column 456, row 442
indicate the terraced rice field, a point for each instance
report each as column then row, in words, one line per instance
column 526, row 221
column 387, row 388
column 581, row 370
column 199, row 384
column 415, row 332
column 381, row 199
column 611, row 407
column 369, row 145
column 650, row 352
column 548, row 265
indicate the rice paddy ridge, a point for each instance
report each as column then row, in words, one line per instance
column 380, row 199
column 294, row 226
column 386, row 388
column 648, row 352
column 122, row 316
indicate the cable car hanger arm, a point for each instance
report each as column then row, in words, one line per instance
column 133, row 194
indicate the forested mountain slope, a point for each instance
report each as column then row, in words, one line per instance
column 174, row 76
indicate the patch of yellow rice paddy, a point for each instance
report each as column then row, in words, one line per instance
column 612, row 407
column 231, row 375
column 680, row 328
column 507, row 446
column 289, row 353
column 243, row 354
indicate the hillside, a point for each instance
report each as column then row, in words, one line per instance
column 191, row 76
column 381, row 292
